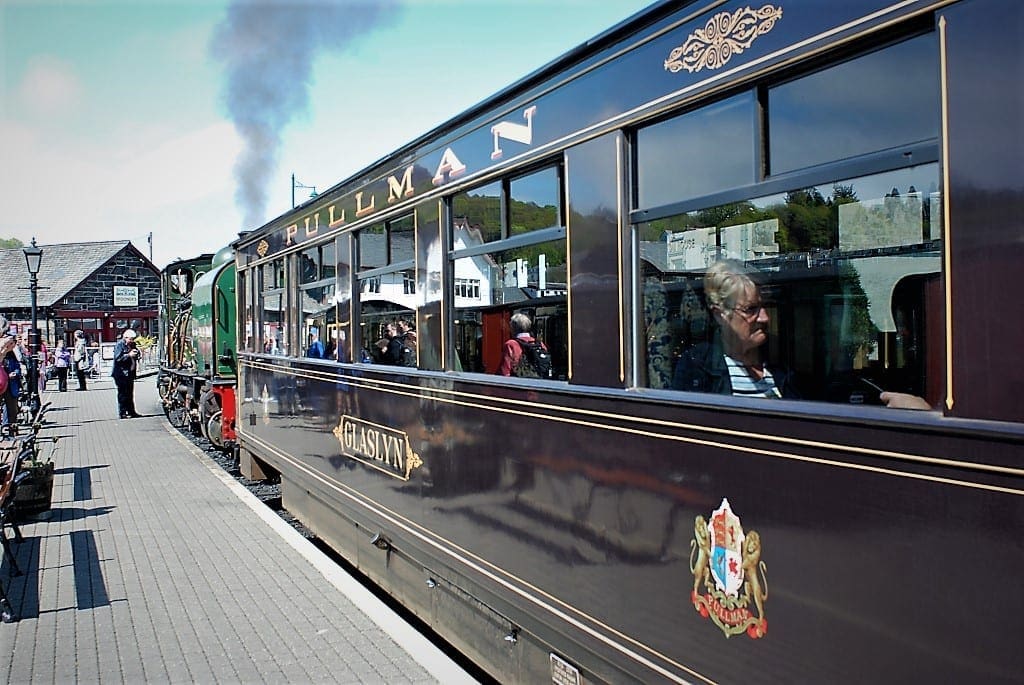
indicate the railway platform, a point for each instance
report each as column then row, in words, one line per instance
column 155, row 566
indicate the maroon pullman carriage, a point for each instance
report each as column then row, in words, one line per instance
column 616, row 524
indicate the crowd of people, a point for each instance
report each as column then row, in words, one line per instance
column 397, row 345
column 58, row 364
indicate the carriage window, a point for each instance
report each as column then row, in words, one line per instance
column 387, row 293
column 275, row 308
column 876, row 102
column 534, row 202
column 481, row 209
column 373, row 247
column 823, row 293
column 498, row 285
column 317, row 299
column 697, row 153
column 402, row 240
column 247, row 296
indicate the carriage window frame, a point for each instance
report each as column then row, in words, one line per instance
column 327, row 280
column 917, row 151
column 393, row 277
column 278, row 272
column 462, row 287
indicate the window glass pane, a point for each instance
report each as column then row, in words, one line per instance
column 875, row 102
column 319, row 318
column 275, row 323
column 535, row 202
column 696, row 154
column 343, row 334
column 402, row 240
column 843, row 295
column 328, row 260
column 247, row 297
column 373, row 247
column 479, row 210
column 309, row 265
column 488, row 289
column 388, row 333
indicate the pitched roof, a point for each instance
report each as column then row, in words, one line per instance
column 63, row 268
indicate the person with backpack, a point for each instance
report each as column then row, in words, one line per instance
column 523, row 355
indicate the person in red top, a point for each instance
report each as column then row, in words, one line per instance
column 512, row 351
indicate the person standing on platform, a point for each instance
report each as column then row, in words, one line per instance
column 126, row 359
column 43, row 357
column 80, row 358
column 62, row 362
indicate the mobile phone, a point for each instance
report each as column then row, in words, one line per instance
column 865, row 381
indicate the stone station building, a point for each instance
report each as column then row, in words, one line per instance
column 101, row 288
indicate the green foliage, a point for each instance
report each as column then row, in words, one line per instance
column 144, row 342
column 10, row 243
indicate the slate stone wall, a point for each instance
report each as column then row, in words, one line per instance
column 126, row 268
column 96, row 294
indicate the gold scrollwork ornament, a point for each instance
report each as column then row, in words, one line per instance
column 726, row 34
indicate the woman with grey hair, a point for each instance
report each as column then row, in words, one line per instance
column 732, row 363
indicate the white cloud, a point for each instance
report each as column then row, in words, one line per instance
column 50, row 87
column 179, row 188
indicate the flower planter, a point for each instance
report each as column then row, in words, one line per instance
column 35, row 490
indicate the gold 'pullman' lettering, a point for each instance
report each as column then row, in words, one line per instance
column 335, row 221
column 399, row 189
column 360, row 209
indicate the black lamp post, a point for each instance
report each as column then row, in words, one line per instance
column 296, row 184
column 33, row 257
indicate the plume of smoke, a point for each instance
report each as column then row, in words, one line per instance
column 268, row 48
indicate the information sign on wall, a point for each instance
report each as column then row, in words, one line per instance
column 126, row 296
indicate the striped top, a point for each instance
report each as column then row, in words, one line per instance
column 744, row 385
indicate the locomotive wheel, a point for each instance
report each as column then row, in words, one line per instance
column 177, row 415
column 213, row 431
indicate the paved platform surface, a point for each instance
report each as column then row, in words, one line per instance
column 155, row 566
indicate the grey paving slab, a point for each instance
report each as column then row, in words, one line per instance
column 133, row 576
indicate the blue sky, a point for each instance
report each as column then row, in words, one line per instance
column 113, row 120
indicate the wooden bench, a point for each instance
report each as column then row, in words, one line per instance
column 10, row 452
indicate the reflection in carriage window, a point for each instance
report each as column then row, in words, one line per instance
column 275, row 308
column 319, row 312
column 821, row 117
column 717, row 141
column 504, row 264
column 401, row 240
column 388, row 300
column 373, row 247
column 848, row 278
column 481, row 209
column 534, row 201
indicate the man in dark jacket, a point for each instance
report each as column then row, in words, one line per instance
column 126, row 359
